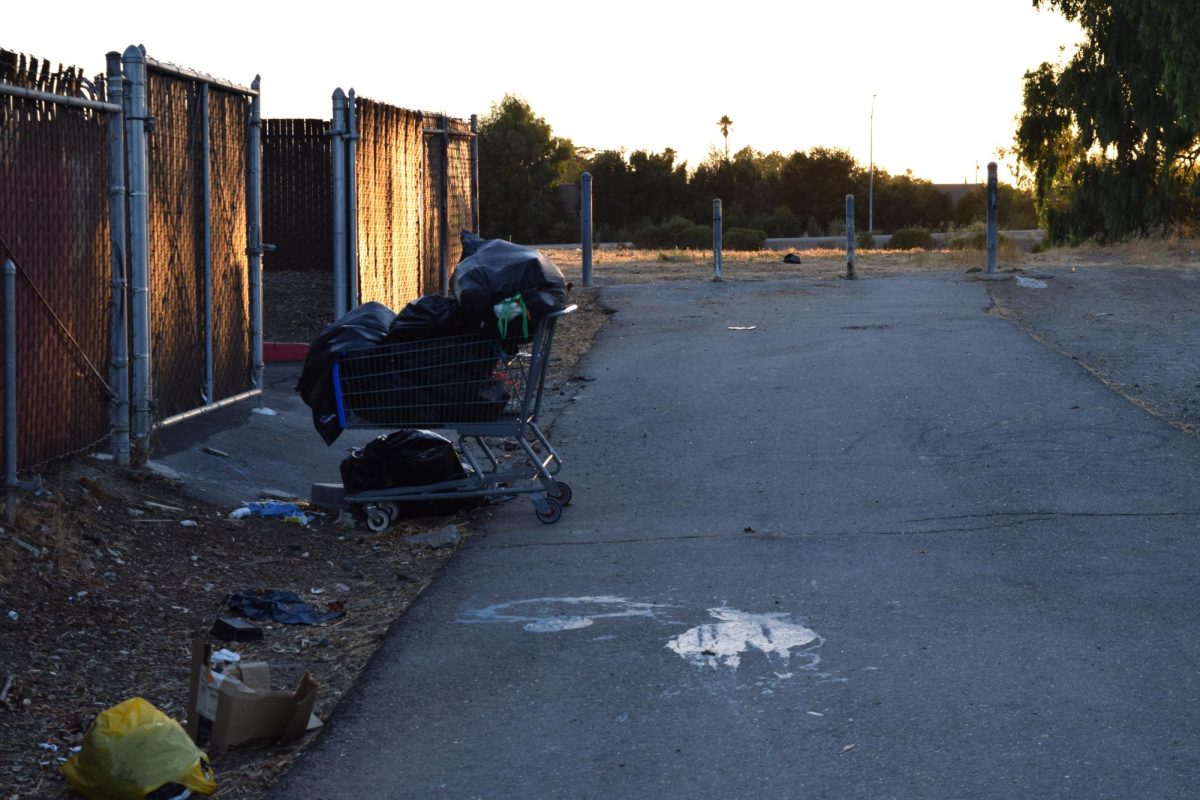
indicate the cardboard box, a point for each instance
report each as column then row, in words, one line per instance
column 241, row 706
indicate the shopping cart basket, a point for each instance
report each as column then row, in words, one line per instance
column 472, row 386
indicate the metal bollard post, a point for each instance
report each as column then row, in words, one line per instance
column 993, row 218
column 850, row 237
column 136, row 115
column 585, row 222
column 10, row 391
column 717, row 240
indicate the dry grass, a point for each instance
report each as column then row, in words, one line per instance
column 1174, row 251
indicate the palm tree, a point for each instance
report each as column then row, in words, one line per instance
column 726, row 123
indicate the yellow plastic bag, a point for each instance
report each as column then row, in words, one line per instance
column 133, row 749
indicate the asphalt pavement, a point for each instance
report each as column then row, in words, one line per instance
column 828, row 539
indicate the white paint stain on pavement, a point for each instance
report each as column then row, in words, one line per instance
column 553, row 614
column 738, row 632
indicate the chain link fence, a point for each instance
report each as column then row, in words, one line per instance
column 179, row 312
column 54, row 225
column 297, row 194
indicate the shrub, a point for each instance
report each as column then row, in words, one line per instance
column 910, row 239
column 864, row 240
column 744, row 239
column 676, row 232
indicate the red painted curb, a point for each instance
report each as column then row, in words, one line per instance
column 274, row 352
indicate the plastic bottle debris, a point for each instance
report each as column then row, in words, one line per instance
column 225, row 656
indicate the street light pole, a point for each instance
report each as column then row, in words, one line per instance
column 871, row 177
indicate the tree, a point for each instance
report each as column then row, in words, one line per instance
column 1111, row 136
column 521, row 164
column 726, row 123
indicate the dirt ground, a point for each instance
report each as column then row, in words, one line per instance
column 104, row 580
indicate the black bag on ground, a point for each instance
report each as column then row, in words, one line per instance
column 492, row 271
column 362, row 327
column 403, row 458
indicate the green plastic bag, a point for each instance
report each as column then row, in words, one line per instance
column 131, row 750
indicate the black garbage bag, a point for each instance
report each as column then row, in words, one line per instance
column 429, row 317
column 402, row 458
column 493, row 271
column 362, row 327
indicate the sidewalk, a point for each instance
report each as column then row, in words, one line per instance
column 881, row 545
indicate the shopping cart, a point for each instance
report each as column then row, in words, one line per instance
column 472, row 386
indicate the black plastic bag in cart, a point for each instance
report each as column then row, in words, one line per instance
column 429, row 317
column 402, row 458
column 494, row 272
column 360, row 328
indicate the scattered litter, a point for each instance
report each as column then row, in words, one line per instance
column 814, row 713
column 1030, row 283
column 162, row 506
column 266, row 412
column 53, row 748
column 848, row 748
column 234, row 629
column 37, row 553
column 316, row 591
column 225, row 656
column 341, row 587
column 288, row 512
column 791, row 258
column 212, row 451
column 189, row 523
column 443, row 537
column 135, row 512
column 285, row 607
column 13, row 615
column 102, row 456
column 742, row 327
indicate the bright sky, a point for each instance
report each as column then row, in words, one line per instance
column 946, row 74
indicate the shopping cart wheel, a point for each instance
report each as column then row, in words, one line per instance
column 377, row 520
column 562, row 493
column 391, row 509
column 552, row 512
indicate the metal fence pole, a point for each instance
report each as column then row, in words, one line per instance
column 475, row 173
column 850, row 236
column 352, row 295
column 717, row 240
column 254, row 212
column 993, row 218
column 118, row 374
column 337, row 130
column 10, row 391
column 139, row 250
column 444, row 208
column 585, row 218
column 206, row 163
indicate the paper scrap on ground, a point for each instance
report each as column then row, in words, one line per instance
column 742, row 327
column 737, row 632
column 1030, row 283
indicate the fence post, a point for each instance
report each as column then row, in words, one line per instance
column 717, row 240
column 139, row 251
column 206, row 162
column 850, row 236
column 993, row 218
column 118, row 332
column 585, row 222
column 475, row 173
column 444, row 207
column 254, row 212
column 337, row 131
column 352, row 295
column 10, row 391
